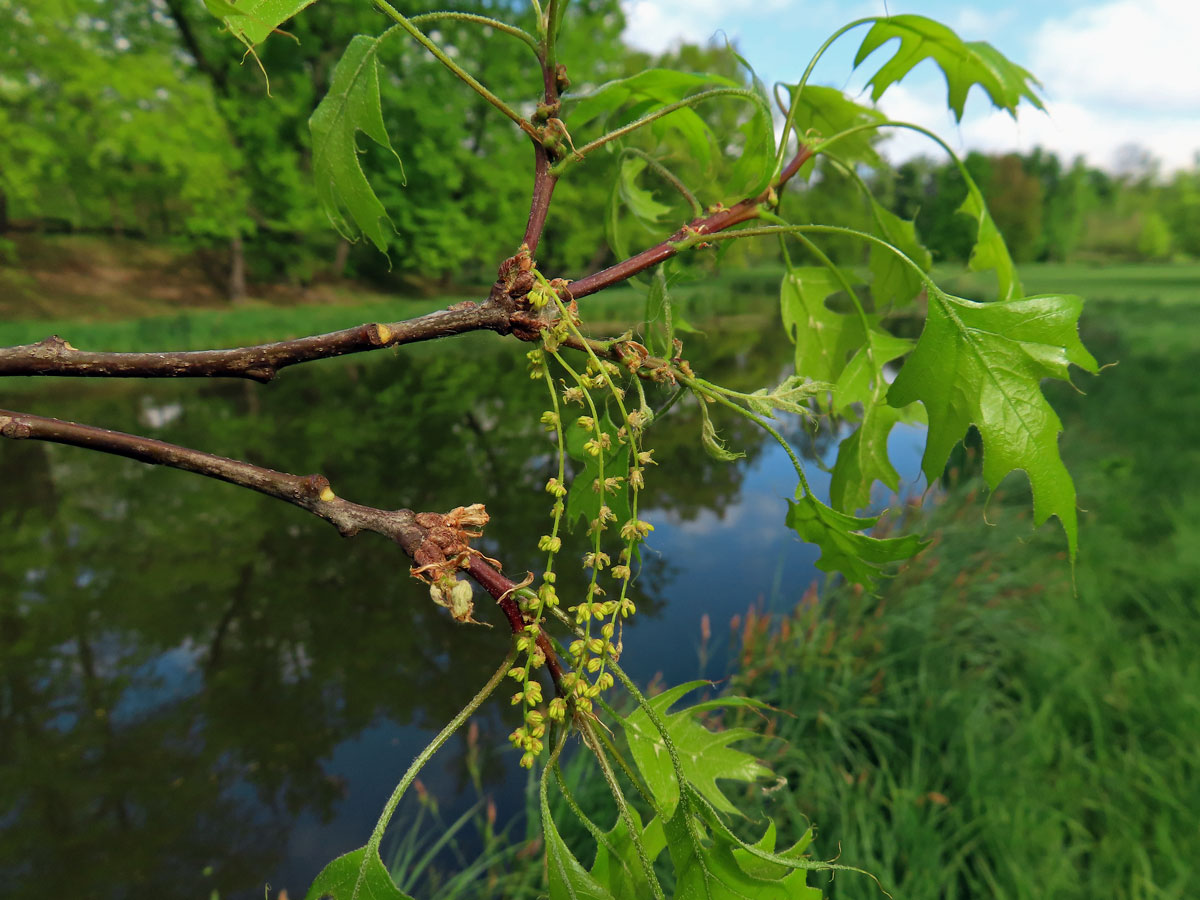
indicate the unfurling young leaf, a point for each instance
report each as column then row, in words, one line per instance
column 753, row 169
column 647, row 213
column 619, row 102
column 982, row 364
column 625, row 100
column 658, row 330
column 713, row 445
column 793, row 394
column 351, row 106
column 859, row 557
column 962, row 63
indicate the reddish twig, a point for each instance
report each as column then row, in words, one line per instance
column 554, row 79
column 717, row 221
column 539, row 204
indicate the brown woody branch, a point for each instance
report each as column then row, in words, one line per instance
column 500, row 312
column 55, row 356
column 309, row 492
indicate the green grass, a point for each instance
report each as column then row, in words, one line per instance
column 1166, row 284
column 981, row 729
column 749, row 291
column 202, row 329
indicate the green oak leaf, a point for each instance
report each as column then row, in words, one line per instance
column 619, row 102
column 582, row 497
column 704, row 756
column 568, row 879
column 251, row 21
column 351, row 106
column 962, row 63
column 863, row 459
column 859, row 557
column 765, row 869
column 990, row 251
column 822, row 112
column 627, row 194
column 981, row 364
column 340, row 880
column 619, row 869
column 862, row 379
column 893, row 281
column 824, row 339
column 712, row 864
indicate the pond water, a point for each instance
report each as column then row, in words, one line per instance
column 202, row 689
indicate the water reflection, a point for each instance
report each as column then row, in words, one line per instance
column 203, row 689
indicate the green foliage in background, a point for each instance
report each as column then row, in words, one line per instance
column 103, row 128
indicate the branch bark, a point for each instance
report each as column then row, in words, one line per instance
column 312, row 493
column 55, row 356
column 502, row 312
column 309, row 492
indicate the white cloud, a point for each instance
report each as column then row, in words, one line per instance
column 801, row 25
column 1139, row 54
column 1116, row 74
column 975, row 24
column 657, row 25
column 1069, row 128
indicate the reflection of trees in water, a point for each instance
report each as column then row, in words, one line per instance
column 178, row 657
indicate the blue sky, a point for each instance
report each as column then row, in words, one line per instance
column 1114, row 72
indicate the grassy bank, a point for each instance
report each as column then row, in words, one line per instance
column 981, row 729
